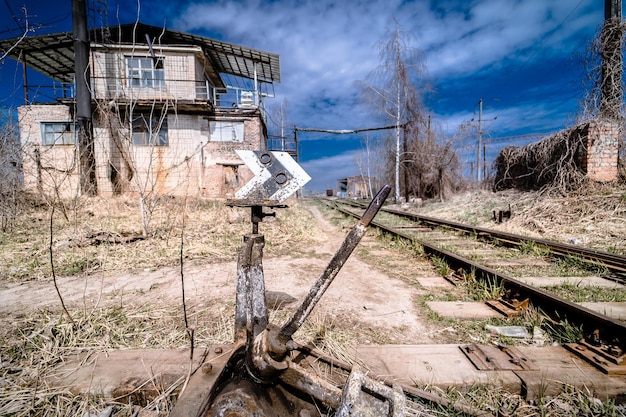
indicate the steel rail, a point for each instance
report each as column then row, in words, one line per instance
column 612, row 261
column 553, row 306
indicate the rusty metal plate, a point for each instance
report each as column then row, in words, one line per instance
column 605, row 363
column 497, row 358
column 509, row 309
column 364, row 397
column 196, row 395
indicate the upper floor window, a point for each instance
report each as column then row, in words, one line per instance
column 145, row 72
column 58, row 133
column 226, row 131
column 150, row 130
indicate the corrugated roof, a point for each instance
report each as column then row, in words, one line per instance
column 53, row 55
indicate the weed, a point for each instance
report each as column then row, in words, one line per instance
column 441, row 266
column 487, row 288
column 533, row 249
column 564, row 331
column 588, row 293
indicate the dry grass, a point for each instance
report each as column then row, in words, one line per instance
column 500, row 402
column 212, row 233
column 594, row 215
column 34, row 343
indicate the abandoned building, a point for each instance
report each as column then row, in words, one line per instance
column 169, row 109
column 356, row 187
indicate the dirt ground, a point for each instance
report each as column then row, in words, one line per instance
column 360, row 292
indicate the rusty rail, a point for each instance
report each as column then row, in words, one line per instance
column 611, row 261
column 549, row 304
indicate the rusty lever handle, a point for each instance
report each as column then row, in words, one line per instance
column 341, row 256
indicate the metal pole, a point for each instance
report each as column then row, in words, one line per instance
column 87, row 163
column 611, row 53
column 328, row 275
column 25, row 77
column 480, row 139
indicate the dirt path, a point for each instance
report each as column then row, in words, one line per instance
column 359, row 292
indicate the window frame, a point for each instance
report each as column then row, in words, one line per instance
column 222, row 135
column 60, row 137
column 148, row 73
column 149, row 130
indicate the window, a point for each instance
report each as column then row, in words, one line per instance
column 226, row 131
column 58, row 133
column 145, row 72
column 150, row 130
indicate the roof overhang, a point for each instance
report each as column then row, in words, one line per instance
column 53, row 55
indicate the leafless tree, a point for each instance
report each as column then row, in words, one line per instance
column 371, row 163
column 392, row 92
column 10, row 170
column 432, row 165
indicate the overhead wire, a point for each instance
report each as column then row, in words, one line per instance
column 551, row 68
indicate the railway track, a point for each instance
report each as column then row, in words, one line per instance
column 493, row 256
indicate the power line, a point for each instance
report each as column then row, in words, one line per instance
column 6, row 2
column 549, row 36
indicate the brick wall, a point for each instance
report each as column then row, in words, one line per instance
column 192, row 164
column 588, row 149
column 53, row 169
column 600, row 157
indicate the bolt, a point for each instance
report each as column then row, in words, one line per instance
column 265, row 158
column 280, row 178
column 207, row 368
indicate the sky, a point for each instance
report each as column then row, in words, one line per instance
column 523, row 58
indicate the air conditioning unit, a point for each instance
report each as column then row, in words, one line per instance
column 246, row 99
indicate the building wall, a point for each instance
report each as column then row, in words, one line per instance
column 52, row 169
column 600, row 160
column 192, row 164
column 184, row 75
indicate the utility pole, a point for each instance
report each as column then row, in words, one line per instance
column 480, row 139
column 82, row 77
column 611, row 53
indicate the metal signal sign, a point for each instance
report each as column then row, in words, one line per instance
column 276, row 176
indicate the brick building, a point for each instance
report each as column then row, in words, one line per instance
column 168, row 112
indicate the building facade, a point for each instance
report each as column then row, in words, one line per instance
column 165, row 118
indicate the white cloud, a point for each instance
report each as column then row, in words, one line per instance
column 325, row 46
column 325, row 172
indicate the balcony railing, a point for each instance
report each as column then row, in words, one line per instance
column 152, row 89
column 118, row 89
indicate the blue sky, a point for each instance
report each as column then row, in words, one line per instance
column 523, row 58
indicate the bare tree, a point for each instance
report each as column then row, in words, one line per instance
column 391, row 90
column 371, row 163
column 10, row 170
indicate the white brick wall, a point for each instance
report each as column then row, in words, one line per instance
column 190, row 165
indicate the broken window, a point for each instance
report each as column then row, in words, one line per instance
column 58, row 133
column 226, row 131
column 150, row 130
column 145, row 72
column 231, row 175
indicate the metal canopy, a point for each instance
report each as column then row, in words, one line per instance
column 53, row 55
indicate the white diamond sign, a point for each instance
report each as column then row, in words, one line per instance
column 276, row 176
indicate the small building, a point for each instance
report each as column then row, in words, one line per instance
column 169, row 109
column 356, row 187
